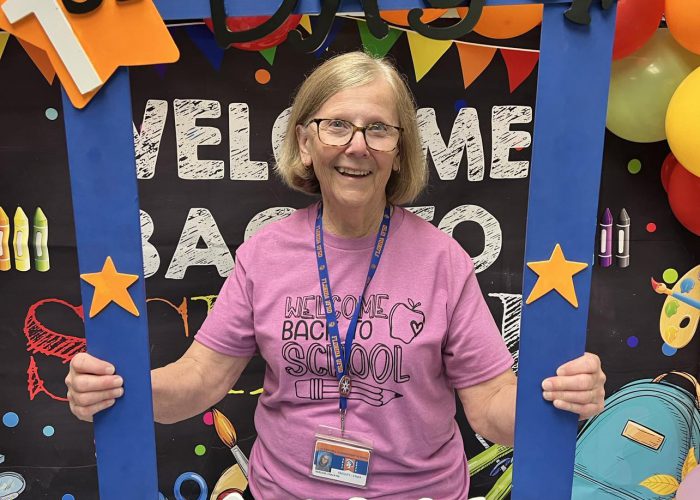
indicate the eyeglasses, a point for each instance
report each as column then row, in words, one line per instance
column 378, row 136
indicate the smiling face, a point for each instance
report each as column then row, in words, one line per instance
column 352, row 177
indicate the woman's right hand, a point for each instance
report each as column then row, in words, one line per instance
column 92, row 386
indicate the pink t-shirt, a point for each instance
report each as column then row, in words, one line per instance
column 424, row 331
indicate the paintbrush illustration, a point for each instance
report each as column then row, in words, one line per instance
column 661, row 288
column 227, row 434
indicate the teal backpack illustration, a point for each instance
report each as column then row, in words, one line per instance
column 642, row 445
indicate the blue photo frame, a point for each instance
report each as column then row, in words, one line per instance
column 572, row 90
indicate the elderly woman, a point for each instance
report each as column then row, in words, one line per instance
column 368, row 317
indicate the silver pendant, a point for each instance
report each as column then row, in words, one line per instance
column 344, row 386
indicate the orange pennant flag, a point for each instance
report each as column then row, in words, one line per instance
column 85, row 49
column 520, row 64
column 474, row 59
column 41, row 60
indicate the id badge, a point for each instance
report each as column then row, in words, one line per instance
column 339, row 459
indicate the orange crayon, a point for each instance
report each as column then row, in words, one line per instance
column 5, row 263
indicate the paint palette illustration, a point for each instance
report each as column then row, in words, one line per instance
column 11, row 485
column 680, row 314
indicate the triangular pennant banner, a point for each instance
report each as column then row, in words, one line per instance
column 332, row 33
column 520, row 64
column 205, row 42
column 305, row 23
column 41, row 60
column 3, row 42
column 474, row 59
column 160, row 69
column 425, row 52
column 269, row 55
column 377, row 47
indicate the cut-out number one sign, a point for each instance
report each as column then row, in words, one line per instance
column 63, row 38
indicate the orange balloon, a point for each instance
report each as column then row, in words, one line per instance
column 683, row 20
column 506, row 21
column 400, row 17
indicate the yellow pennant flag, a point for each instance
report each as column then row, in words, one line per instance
column 474, row 59
column 425, row 52
column 306, row 23
column 3, row 42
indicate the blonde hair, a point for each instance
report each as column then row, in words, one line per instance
column 355, row 69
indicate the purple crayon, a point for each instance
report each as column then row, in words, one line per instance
column 605, row 256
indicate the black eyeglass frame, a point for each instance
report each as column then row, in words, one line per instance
column 355, row 128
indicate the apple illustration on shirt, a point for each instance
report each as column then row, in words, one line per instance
column 406, row 321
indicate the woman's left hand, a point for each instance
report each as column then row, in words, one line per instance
column 578, row 386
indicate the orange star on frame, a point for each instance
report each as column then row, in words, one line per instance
column 557, row 273
column 116, row 33
column 111, row 286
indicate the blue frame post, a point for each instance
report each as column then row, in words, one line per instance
column 572, row 93
column 101, row 153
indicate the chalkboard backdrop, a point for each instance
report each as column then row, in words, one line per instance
column 193, row 197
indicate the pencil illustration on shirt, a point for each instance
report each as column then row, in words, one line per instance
column 20, row 240
column 605, row 255
column 227, row 434
column 5, row 263
column 622, row 229
column 322, row 388
column 40, row 240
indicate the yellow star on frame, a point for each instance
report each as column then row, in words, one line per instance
column 111, row 286
column 557, row 273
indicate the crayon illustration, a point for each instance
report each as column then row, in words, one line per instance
column 20, row 241
column 40, row 240
column 605, row 255
column 227, row 434
column 321, row 388
column 622, row 227
column 5, row 263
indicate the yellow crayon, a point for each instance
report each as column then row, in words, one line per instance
column 20, row 241
column 5, row 263
column 40, row 240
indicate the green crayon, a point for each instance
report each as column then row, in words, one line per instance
column 40, row 240
column 20, row 240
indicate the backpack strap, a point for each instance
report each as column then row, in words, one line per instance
column 688, row 377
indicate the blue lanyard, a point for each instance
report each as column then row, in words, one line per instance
column 341, row 354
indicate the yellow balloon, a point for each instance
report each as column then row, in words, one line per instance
column 683, row 123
